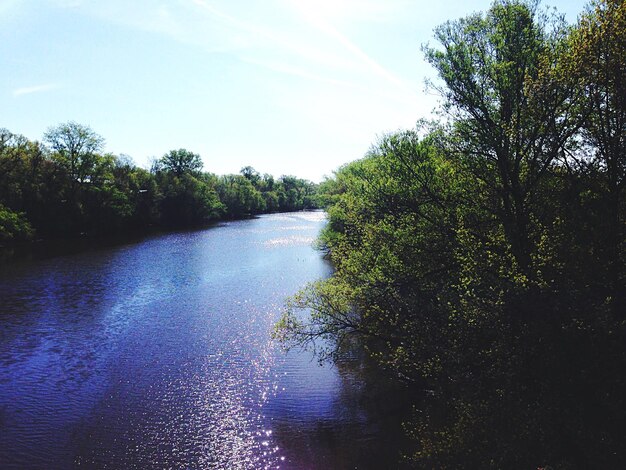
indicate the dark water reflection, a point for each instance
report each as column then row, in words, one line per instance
column 158, row 354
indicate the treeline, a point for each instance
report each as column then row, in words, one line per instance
column 481, row 259
column 66, row 187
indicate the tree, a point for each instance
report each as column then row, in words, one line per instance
column 390, row 239
column 13, row 226
column 187, row 201
column 510, row 113
column 300, row 193
column 239, row 196
column 471, row 263
column 251, row 175
column 75, row 146
column 598, row 62
column 180, row 161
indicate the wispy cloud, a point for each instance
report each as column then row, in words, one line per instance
column 298, row 72
column 267, row 36
column 34, row 89
column 318, row 20
column 331, row 59
column 299, row 39
column 292, row 36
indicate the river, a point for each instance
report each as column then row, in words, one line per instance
column 158, row 354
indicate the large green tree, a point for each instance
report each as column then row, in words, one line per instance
column 180, row 161
column 472, row 263
column 510, row 112
column 75, row 146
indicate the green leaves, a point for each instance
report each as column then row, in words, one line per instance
column 485, row 261
column 71, row 188
column 75, row 147
column 180, row 162
column 14, row 226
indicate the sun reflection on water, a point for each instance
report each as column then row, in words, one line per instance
column 159, row 355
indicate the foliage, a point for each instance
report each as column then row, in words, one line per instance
column 74, row 147
column 596, row 60
column 480, row 262
column 186, row 200
column 13, row 226
column 507, row 109
column 71, row 188
column 179, row 162
column 239, row 195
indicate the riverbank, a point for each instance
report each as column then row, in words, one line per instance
column 46, row 248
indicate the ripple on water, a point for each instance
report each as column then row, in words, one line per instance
column 287, row 241
column 158, row 354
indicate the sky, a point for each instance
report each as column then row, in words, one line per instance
column 295, row 87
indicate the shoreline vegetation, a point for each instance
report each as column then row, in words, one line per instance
column 66, row 188
column 480, row 259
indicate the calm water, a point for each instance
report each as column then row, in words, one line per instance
column 158, row 354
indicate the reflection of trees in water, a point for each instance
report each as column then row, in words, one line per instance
column 362, row 429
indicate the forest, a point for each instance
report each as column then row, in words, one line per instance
column 66, row 187
column 479, row 258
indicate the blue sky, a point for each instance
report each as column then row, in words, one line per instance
column 287, row 86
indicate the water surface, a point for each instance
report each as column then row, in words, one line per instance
column 158, row 354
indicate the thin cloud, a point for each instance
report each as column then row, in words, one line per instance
column 217, row 30
column 316, row 51
column 284, row 42
column 322, row 25
column 34, row 89
column 288, row 43
column 301, row 73
column 279, row 67
column 334, row 63
column 10, row 10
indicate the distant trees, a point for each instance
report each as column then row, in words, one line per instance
column 70, row 187
column 251, row 175
column 296, row 193
column 179, row 162
column 186, row 196
column 187, row 200
column 32, row 182
column 250, row 193
column 239, row 195
column 75, row 147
